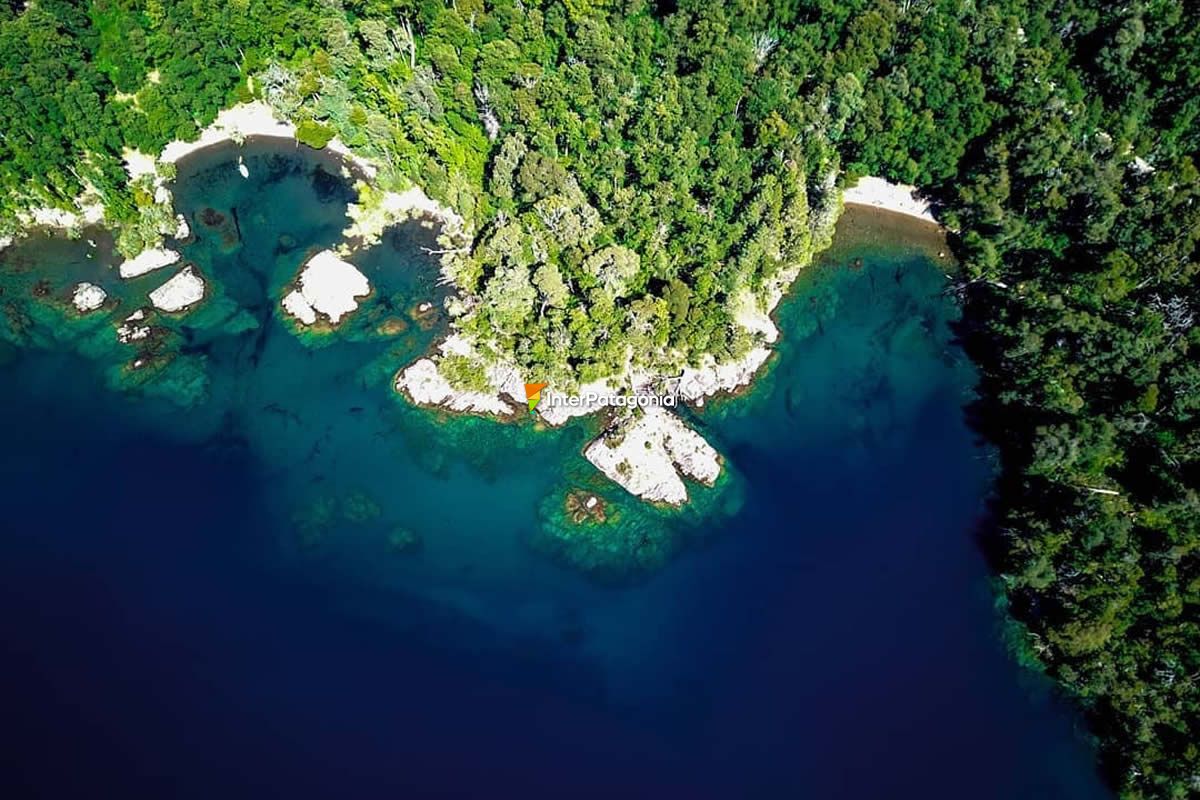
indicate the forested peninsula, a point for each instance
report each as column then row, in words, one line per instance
column 641, row 179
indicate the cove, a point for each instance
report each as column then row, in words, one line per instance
column 210, row 597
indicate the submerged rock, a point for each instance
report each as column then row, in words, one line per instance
column 391, row 326
column 226, row 227
column 425, row 315
column 583, row 506
column 314, row 520
column 360, row 507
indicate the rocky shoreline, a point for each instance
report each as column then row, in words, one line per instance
column 650, row 452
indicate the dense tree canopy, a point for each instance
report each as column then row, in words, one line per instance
column 635, row 170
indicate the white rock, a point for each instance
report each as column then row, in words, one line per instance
column 148, row 261
column 88, row 297
column 695, row 384
column 426, row 386
column 1141, row 166
column 129, row 331
column 593, row 397
column 54, row 217
column 182, row 291
column 649, row 455
column 182, row 229
column 295, row 304
column 327, row 286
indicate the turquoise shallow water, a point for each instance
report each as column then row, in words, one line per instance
column 214, row 590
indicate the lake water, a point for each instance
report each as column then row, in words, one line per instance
column 206, row 594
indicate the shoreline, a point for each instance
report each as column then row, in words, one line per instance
column 252, row 120
column 422, row 383
column 884, row 195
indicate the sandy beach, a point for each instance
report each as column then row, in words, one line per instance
column 882, row 194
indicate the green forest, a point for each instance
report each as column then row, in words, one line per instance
column 634, row 171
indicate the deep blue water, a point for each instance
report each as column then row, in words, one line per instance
column 164, row 635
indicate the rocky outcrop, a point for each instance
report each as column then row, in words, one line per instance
column 697, row 384
column 326, row 287
column 180, row 293
column 88, row 297
column 132, row 330
column 147, row 261
column 425, row 385
column 650, row 452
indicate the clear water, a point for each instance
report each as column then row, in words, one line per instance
column 207, row 599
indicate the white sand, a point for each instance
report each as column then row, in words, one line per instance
column 649, row 455
column 88, row 297
column 182, row 291
column 327, row 286
column 254, row 119
column 879, row 193
column 232, row 124
column 148, row 261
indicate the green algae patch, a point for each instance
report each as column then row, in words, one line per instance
column 404, row 540
column 359, row 507
column 313, row 521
